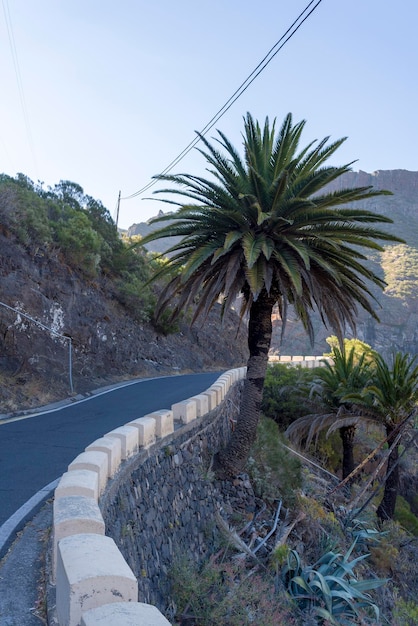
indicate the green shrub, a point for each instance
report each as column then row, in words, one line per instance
column 405, row 517
column 274, row 471
column 414, row 504
column 328, row 451
column 23, row 212
column 226, row 594
column 165, row 324
column 405, row 613
column 286, row 393
column 137, row 299
column 80, row 243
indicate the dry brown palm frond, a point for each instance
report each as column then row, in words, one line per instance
column 307, row 428
column 348, row 420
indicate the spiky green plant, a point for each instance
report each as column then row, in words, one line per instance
column 329, row 589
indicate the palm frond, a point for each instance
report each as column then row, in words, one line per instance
column 265, row 220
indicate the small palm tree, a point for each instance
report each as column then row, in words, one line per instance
column 391, row 399
column 346, row 373
column 264, row 228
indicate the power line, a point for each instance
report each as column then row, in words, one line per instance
column 18, row 75
column 293, row 28
column 54, row 332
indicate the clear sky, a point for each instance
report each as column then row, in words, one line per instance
column 111, row 92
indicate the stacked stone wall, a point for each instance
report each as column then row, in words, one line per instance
column 163, row 505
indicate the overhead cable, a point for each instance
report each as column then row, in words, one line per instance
column 18, row 75
column 302, row 17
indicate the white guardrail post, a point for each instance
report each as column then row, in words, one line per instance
column 94, row 584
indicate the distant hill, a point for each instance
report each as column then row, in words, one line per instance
column 397, row 307
column 144, row 228
column 402, row 206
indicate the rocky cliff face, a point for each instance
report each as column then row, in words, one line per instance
column 397, row 307
column 402, row 206
column 107, row 344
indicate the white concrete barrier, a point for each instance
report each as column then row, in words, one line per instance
column 212, row 398
column 202, row 404
column 220, row 392
column 73, row 515
column 124, row 614
column 164, row 422
column 80, row 482
column 227, row 378
column 91, row 572
column 94, row 584
column 222, row 383
column 110, row 446
column 146, row 430
column 128, row 436
column 185, row 411
column 302, row 361
column 95, row 462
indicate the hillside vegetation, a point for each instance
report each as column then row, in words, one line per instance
column 298, row 547
column 63, row 265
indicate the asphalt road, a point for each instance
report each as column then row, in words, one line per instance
column 36, row 451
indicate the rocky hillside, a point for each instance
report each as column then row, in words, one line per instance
column 110, row 341
column 397, row 307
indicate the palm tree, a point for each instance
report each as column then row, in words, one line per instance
column 264, row 228
column 391, row 399
column 346, row 373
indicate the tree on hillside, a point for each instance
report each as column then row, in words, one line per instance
column 391, row 399
column 70, row 193
column 349, row 372
column 286, row 393
column 264, row 228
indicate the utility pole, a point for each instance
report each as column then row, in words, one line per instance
column 117, row 211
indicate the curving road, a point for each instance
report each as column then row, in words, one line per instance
column 37, row 450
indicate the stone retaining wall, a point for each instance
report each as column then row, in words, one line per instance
column 163, row 504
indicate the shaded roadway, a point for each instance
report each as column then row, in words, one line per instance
column 35, row 451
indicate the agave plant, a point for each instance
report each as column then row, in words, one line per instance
column 329, row 588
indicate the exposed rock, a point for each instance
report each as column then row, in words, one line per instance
column 108, row 345
column 397, row 308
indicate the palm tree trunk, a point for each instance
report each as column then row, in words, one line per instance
column 347, row 437
column 231, row 460
column 386, row 509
